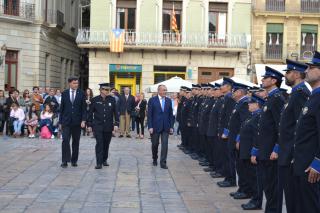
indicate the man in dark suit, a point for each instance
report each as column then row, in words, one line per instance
column 295, row 74
column 72, row 119
column 160, row 124
column 306, row 156
column 268, row 136
column 126, row 105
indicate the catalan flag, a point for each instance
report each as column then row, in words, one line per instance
column 174, row 26
column 117, row 40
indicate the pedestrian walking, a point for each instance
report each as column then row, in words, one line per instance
column 72, row 118
column 103, row 119
column 160, row 124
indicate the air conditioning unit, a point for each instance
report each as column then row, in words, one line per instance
column 60, row 19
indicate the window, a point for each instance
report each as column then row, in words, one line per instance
column 11, row 7
column 274, row 41
column 11, row 69
column 126, row 15
column 47, row 69
column 309, row 37
column 162, row 73
column 217, row 20
column 167, row 11
column 275, row 5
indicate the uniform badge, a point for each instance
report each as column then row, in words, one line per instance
column 234, row 111
column 207, row 106
column 265, row 108
column 222, row 106
column 196, row 104
column 109, row 104
column 286, row 105
column 305, row 110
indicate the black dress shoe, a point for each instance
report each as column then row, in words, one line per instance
column 233, row 193
column 74, row 164
column 164, row 167
column 98, row 167
column 250, row 206
column 209, row 169
column 120, row 136
column 241, row 195
column 128, row 136
column 216, row 175
column 64, row 165
column 105, row 163
column 225, row 184
column 204, row 164
column 155, row 163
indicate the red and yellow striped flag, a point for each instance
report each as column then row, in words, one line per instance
column 174, row 26
column 117, row 40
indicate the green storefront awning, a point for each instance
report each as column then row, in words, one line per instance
column 125, row 68
column 307, row 28
column 274, row 28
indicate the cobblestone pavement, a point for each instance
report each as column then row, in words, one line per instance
column 32, row 181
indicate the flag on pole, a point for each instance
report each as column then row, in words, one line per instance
column 174, row 26
column 117, row 40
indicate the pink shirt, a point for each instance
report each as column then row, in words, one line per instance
column 46, row 115
column 19, row 113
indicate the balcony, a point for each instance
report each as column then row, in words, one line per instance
column 54, row 17
column 307, row 50
column 18, row 12
column 165, row 40
column 283, row 8
column 310, row 6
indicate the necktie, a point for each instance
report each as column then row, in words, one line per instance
column 162, row 104
column 72, row 96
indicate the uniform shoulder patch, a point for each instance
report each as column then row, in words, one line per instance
column 265, row 108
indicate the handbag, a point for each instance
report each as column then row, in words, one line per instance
column 135, row 114
column 45, row 133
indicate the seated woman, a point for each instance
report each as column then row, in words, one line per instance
column 32, row 121
column 17, row 117
column 46, row 119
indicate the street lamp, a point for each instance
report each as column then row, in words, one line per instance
column 3, row 53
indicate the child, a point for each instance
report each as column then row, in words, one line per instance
column 32, row 121
column 17, row 115
column 46, row 118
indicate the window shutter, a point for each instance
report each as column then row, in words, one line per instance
column 274, row 28
column 306, row 28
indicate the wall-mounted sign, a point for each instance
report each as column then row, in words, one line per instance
column 125, row 68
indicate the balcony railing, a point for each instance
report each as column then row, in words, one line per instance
column 53, row 17
column 275, row 5
column 274, row 51
column 149, row 39
column 22, row 10
column 310, row 6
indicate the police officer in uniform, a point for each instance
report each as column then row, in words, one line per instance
column 295, row 74
column 182, row 98
column 246, row 140
column 185, row 121
column 239, row 114
column 224, row 117
column 306, row 163
column 267, row 139
column 103, row 119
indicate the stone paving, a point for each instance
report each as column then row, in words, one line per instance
column 32, row 181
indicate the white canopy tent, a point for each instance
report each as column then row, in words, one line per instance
column 238, row 80
column 173, row 85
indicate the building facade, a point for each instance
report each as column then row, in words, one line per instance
column 37, row 40
column 284, row 29
column 209, row 43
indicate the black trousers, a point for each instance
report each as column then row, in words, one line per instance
column 231, row 171
column 217, row 154
column 286, row 184
column 201, row 144
column 249, row 175
column 307, row 195
column 102, row 146
column 224, row 157
column 164, row 146
column 210, row 145
column 195, row 140
column 183, row 138
column 188, row 137
column 140, row 123
column 73, row 131
column 269, row 171
column 257, row 195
